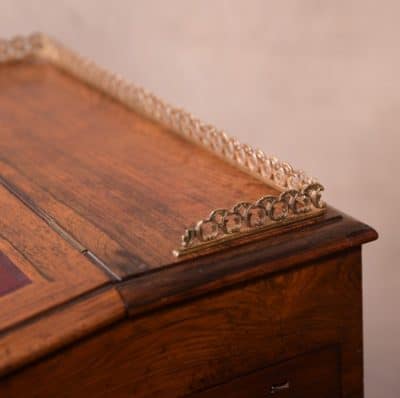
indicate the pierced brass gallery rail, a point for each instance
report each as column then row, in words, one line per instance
column 247, row 218
column 300, row 195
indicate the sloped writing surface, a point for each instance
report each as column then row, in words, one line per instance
column 123, row 186
column 41, row 269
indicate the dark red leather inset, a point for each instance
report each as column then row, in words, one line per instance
column 11, row 278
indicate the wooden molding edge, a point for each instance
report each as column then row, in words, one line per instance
column 51, row 331
column 197, row 277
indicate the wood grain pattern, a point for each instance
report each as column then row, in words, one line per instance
column 209, row 341
column 55, row 329
column 316, row 374
column 58, row 272
column 11, row 278
column 204, row 275
column 122, row 185
column 312, row 314
column 79, row 175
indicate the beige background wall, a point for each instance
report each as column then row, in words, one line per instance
column 314, row 82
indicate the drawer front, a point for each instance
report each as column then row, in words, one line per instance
column 311, row 375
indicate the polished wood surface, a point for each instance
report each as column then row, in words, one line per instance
column 316, row 374
column 93, row 198
column 121, row 185
column 58, row 272
column 203, row 275
column 215, row 339
column 55, row 329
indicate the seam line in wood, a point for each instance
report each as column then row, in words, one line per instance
column 53, row 224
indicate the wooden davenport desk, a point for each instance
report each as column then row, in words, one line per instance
column 100, row 296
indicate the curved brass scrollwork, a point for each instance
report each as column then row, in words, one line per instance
column 246, row 217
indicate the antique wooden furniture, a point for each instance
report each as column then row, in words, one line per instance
column 98, row 297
